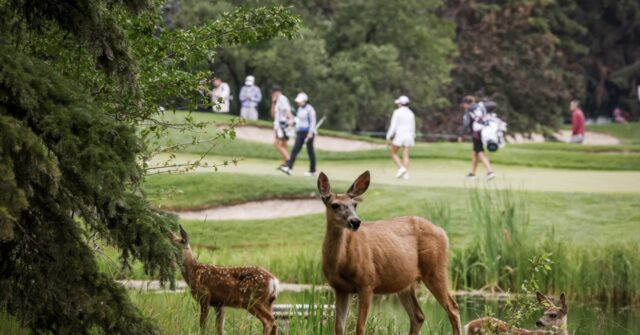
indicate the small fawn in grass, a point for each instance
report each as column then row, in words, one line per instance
column 553, row 321
column 251, row 288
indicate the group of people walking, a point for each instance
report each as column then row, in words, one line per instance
column 303, row 126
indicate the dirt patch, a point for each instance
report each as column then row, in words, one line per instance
column 257, row 210
column 266, row 135
column 589, row 138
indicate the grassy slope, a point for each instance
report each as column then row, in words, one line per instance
column 551, row 155
column 578, row 218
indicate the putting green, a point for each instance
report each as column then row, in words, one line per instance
column 446, row 173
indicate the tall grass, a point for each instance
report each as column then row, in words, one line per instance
column 498, row 259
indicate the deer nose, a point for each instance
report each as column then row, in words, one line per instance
column 354, row 223
column 539, row 324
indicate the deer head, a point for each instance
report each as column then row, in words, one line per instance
column 341, row 208
column 554, row 318
column 183, row 240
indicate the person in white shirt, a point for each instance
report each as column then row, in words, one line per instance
column 282, row 119
column 220, row 96
column 402, row 134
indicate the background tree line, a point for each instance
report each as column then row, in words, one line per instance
column 531, row 56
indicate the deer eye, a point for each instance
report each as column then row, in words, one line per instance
column 335, row 206
column 553, row 315
column 355, row 205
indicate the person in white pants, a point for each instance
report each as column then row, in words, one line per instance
column 402, row 134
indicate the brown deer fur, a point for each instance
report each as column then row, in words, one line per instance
column 382, row 257
column 553, row 321
column 251, row 288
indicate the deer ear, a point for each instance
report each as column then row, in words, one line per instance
column 543, row 300
column 323, row 186
column 360, row 185
column 183, row 234
column 563, row 303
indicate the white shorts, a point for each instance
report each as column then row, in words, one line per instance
column 403, row 141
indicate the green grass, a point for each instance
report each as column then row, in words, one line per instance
column 177, row 313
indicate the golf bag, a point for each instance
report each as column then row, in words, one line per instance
column 492, row 129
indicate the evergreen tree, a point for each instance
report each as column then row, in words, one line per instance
column 72, row 159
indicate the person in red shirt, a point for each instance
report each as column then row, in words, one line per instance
column 577, row 122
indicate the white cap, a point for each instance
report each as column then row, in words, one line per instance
column 402, row 100
column 250, row 80
column 301, row 97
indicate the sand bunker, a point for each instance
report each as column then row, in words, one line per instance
column 257, row 210
column 589, row 138
column 266, row 135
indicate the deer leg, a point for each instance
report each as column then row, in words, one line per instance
column 220, row 320
column 266, row 317
column 437, row 284
column 342, row 312
column 410, row 303
column 204, row 314
column 365, row 297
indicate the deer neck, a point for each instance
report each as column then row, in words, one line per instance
column 189, row 265
column 333, row 246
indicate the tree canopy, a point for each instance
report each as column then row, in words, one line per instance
column 531, row 56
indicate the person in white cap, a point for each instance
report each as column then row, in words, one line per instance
column 402, row 134
column 250, row 96
column 220, row 96
column 306, row 131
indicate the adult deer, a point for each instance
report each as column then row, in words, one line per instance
column 552, row 322
column 382, row 257
column 251, row 288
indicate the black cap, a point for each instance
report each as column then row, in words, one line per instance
column 276, row 88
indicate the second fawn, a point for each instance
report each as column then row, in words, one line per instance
column 382, row 257
column 251, row 288
column 553, row 321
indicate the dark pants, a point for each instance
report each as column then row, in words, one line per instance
column 300, row 138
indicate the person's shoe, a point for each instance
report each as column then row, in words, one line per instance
column 471, row 176
column 491, row 175
column 309, row 174
column 401, row 172
column 405, row 176
column 285, row 169
column 281, row 166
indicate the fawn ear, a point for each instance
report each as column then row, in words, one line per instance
column 323, row 186
column 360, row 185
column 543, row 300
column 563, row 303
column 183, row 234
column 172, row 236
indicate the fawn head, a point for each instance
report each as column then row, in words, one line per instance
column 183, row 240
column 341, row 207
column 554, row 317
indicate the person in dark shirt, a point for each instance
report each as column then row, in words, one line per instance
column 473, row 115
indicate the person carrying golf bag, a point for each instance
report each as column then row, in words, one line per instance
column 477, row 118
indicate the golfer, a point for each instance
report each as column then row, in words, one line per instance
column 473, row 115
column 402, row 134
column 282, row 119
column 306, row 131
column 250, row 97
